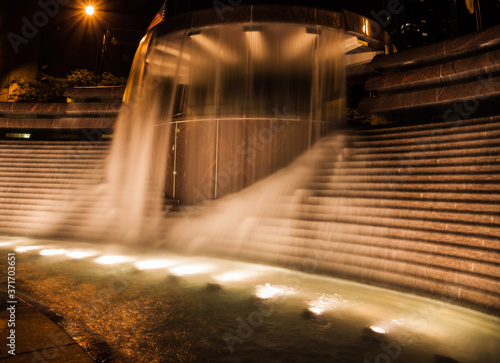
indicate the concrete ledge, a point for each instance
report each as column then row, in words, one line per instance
column 465, row 46
column 38, row 339
column 15, row 109
column 57, row 123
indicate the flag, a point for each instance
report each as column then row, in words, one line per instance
column 159, row 17
column 470, row 5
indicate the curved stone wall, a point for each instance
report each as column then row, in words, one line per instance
column 411, row 208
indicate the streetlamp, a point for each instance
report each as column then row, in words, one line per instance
column 90, row 11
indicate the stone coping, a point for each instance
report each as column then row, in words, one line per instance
column 354, row 24
column 461, row 47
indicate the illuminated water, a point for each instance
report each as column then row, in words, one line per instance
column 159, row 307
column 156, row 306
column 239, row 74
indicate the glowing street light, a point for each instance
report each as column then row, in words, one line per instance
column 89, row 10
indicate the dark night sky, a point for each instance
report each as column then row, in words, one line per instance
column 70, row 41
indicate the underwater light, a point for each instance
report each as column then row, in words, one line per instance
column 268, row 291
column 153, row 264
column 17, row 136
column 53, row 252
column 22, row 249
column 80, row 254
column 190, row 269
column 378, row 329
column 234, row 276
column 325, row 303
column 112, row 259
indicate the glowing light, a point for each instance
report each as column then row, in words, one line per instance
column 256, row 43
column 378, row 329
column 80, row 254
column 190, row 270
column 89, row 10
column 268, row 291
column 234, row 276
column 28, row 248
column 215, row 48
column 112, row 259
column 325, row 303
column 53, row 252
column 5, row 243
column 153, row 264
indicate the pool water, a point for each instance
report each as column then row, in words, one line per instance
column 154, row 306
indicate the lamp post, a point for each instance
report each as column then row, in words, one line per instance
column 90, row 11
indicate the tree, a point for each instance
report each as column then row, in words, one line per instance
column 42, row 88
column 81, row 78
column 45, row 88
column 109, row 79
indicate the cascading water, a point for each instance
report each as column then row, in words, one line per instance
column 211, row 111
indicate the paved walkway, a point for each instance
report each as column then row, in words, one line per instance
column 37, row 338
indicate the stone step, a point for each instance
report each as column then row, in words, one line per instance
column 423, row 170
column 466, row 225
column 62, row 174
column 474, row 259
column 426, row 205
column 53, row 146
column 289, row 253
column 410, row 163
column 65, row 162
column 351, row 245
column 461, row 222
column 50, row 192
column 391, row 177
column 437, row 139
column 30, row 156
column 431, row 130
column 51, row 167
column 441, row 196
column 57, row 184
column 418, row 147
column 322, row 183
column 426, row 153
column 401, row 229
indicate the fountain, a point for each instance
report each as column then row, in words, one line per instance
column 241, row 120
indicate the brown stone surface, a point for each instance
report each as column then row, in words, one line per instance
column 474, row 43
column 330, row 18
column 407, row 58
column 407, row 79
column 229, row 14
column 219, row 157
column 59, row 123
column 283, row 14
column 474, row 95
column 196, row 161
column 38, row 338
column 112, row 92
column 489, row 37
column 177, row 23
column 461, row 69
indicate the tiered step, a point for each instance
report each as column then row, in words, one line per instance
column 415, row 208
column 37, row 178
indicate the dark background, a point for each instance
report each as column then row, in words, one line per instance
column 72, row 40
